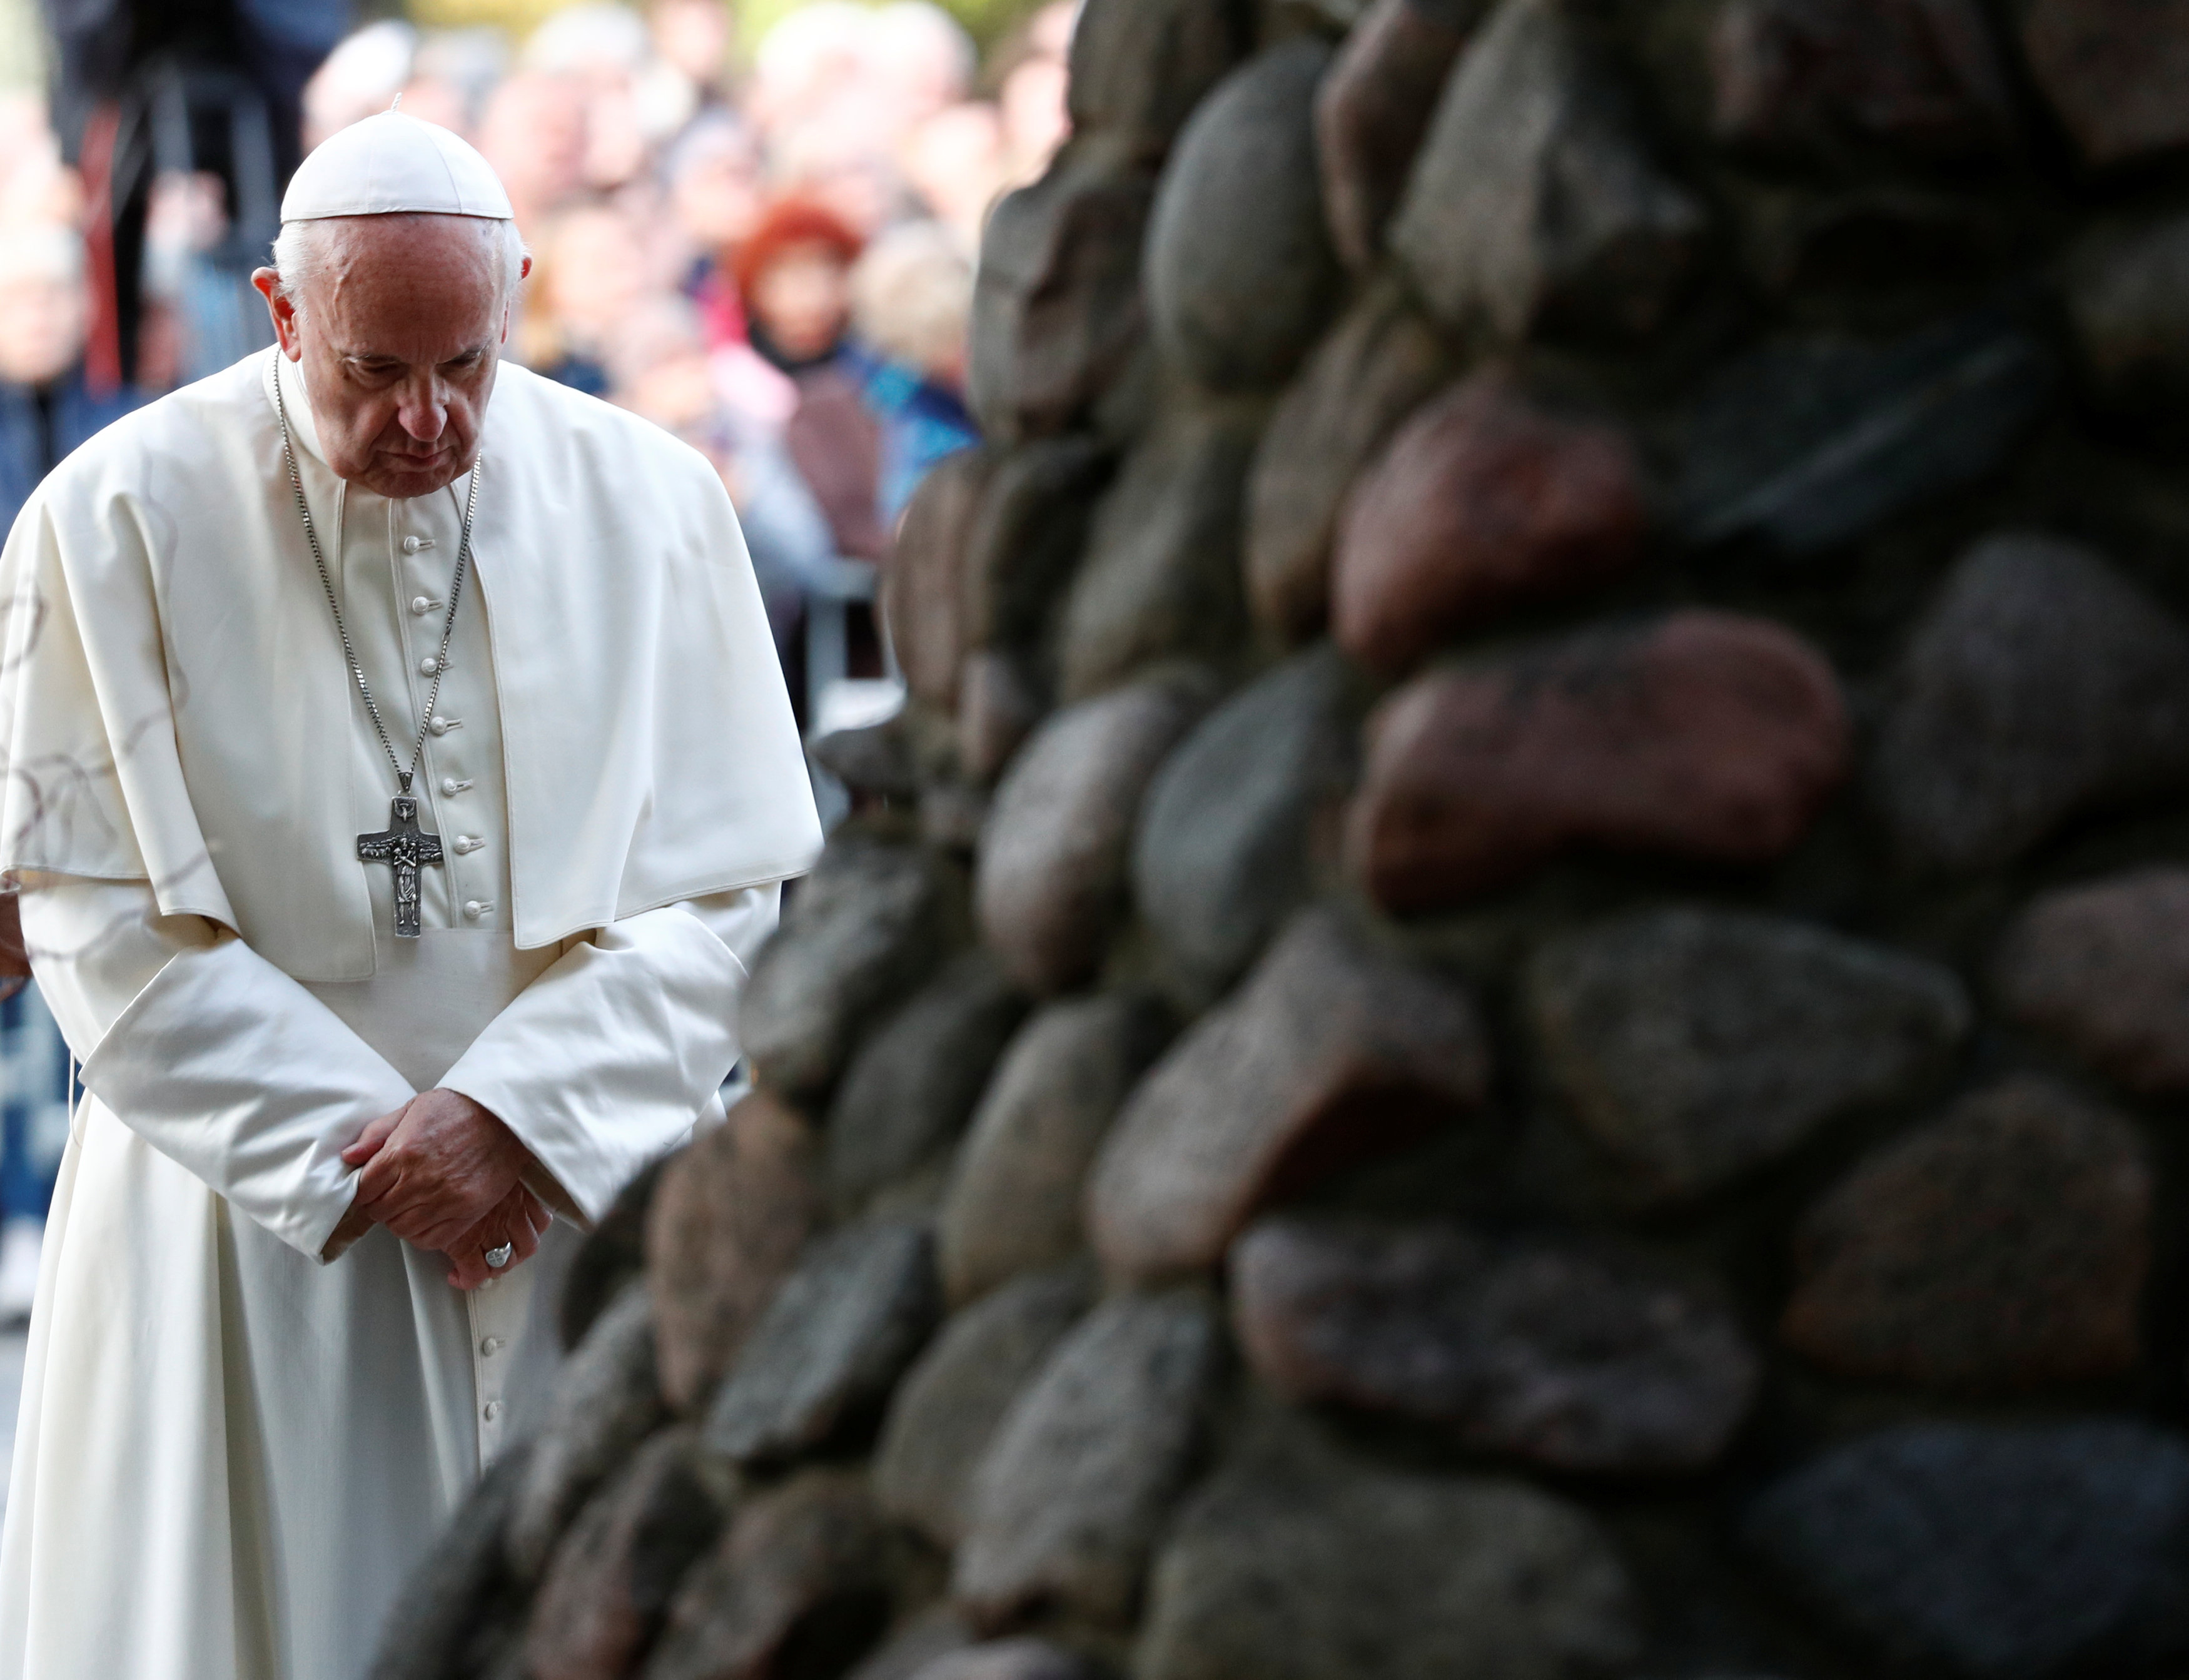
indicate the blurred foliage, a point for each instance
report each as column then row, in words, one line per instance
column 987, row 20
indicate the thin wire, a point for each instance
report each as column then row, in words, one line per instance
column 349, row 651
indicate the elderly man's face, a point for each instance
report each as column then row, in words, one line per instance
column 399, row 335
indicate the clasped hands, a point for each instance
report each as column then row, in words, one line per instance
column 444, row 1174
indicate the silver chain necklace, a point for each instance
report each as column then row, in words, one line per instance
column 403, row 846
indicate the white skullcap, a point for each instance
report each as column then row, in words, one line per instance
column 391, row 163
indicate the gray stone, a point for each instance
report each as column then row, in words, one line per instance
column 867, row 924
column 914, row 1082
column 998, row 704
column 1819, row 80
column 1074, row 1489
column 1812, row 443
column 797, row 1586
column 875, row 760
column 1013, row 1204
column 2116, row 71
column 2040, row 683
column 921, row 595
column 612, row 1255
column 1373, row 110
column 1695, row 1045
column 1532, row 208
column 1575, row 1360
column 459, row 1612
column 831, row 1346
column 1026, row 536
column 1056, row 302
column 1049, row 883
column 1381, row 1576
column 1332, row 1051
column 1010, row 1659
column 729, row 1221
column 1239, row 271
column 1381, row 361
column 948, row 1406
column 606, row 1399
column 2104, row 968
column 1161, row 578
column 612, row 1577
column 1228, row 832
column 935, row 1632
column 1999, row 1248
column 1138, row 67
column 2127, row 294
column 1998, row 1553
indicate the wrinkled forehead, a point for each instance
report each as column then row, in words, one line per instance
column 415, row 288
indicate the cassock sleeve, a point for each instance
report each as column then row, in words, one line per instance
column 208, row 1052
column 603, row 1062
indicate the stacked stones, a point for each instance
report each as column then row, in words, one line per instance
column 1515, row 1000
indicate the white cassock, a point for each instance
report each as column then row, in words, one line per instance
column 231, row 1447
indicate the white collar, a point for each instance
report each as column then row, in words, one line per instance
column 302, row 424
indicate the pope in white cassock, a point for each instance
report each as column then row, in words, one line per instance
column 399, row 777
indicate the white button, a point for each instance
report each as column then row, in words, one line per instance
column 491, row 1410
column 491, row 1346
column 412, row 545
column 452, row 787
column 474, row 909
column 468, row 843
column 422, row 604
column 488, row 1283
column 441, row 725
column 428, row 665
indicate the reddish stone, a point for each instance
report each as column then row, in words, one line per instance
column 2105, row 968
column 1570, row 1360
column 1331, row 1052
column 1371, row 114
column 2003, row 1247
column 612, row 1576
column 2116, row 71
column 1811, row 74
column 1481, row 500
column 723, row 1231
column 798, row 1586
column 1706, row 735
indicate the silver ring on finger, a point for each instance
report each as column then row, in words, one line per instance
column 496, row 1259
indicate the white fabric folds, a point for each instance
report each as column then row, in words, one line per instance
column 650, row 749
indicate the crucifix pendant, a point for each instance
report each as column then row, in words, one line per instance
column 403, row 846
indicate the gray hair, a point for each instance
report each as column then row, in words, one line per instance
column 300, row 256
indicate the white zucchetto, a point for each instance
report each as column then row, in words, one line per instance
column 392, row 163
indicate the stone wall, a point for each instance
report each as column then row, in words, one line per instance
column 1515, row 1001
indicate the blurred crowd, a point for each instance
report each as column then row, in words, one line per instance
column 773, row 259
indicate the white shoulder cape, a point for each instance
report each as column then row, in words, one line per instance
column 175, row 706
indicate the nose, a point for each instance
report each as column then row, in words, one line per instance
column 423, row 409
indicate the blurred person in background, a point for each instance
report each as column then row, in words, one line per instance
column 955, row 162
column 359, row 78
column 631, row 101
column 795, row 276
column 712, row 174
column 46, row 408
column 533, row 131
column 1031, row 77
column 45, row 412
column 912, row 294
column 693, row 36
column 591, row 274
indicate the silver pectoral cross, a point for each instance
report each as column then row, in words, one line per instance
column 403, row 846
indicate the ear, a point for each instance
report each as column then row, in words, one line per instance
column 266, row 282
